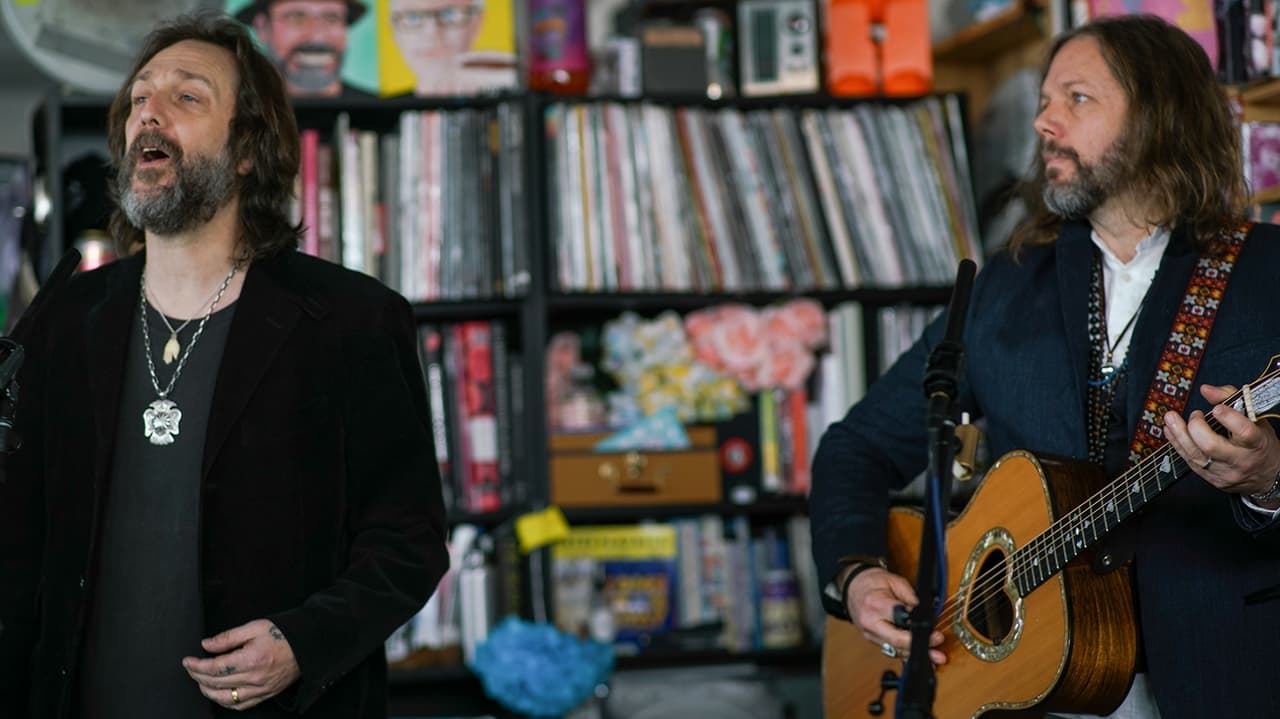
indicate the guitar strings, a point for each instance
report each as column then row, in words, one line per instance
column 992, row 584
column 1083, row 515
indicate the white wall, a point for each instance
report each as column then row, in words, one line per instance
column 21, row 88
column 19, row 105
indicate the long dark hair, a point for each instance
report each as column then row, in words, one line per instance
column 1183, row 142
column 263, row 129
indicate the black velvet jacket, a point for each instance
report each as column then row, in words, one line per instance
column 321, row 505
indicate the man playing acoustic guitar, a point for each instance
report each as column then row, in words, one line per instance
column 1134, row 296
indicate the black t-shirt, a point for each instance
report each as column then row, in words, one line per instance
column 145, row 610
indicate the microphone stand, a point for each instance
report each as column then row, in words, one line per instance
column 941, row 380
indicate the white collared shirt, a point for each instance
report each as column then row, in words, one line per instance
column 1125, row 285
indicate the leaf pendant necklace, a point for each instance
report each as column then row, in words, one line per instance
column 161, row 420
column 171, row 348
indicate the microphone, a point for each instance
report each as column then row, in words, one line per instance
column 13, row 353
column 944, row 361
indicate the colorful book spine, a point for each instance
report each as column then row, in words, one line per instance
column 484, row 479
column 310, row 176
column 432, row 353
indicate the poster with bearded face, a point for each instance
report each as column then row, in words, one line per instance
column 324, row 48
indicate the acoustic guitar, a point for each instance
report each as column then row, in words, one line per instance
column 1027, row 621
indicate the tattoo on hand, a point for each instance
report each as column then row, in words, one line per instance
column 275, row 633
column 228, row 670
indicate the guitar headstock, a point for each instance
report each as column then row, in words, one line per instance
column 1261, row 397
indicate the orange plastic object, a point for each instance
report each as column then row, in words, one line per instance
column 905, row 53
column 852, row 60
column 858, row 66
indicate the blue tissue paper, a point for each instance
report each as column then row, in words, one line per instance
column 538, row 670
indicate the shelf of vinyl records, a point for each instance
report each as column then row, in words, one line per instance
column 702, row 199
column 694, row 198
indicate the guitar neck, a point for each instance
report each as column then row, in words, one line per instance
column 1081, row 528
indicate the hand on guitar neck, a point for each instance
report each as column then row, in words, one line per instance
column 870, row 601
column 1246, row 461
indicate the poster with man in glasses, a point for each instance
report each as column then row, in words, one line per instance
column 446, row 47
column 324, row 48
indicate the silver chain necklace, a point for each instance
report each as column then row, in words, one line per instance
column 160, row 419
column 173, row 348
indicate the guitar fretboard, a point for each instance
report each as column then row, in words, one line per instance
column 1081, row 528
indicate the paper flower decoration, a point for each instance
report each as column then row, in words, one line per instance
column 538, row 670
column 654, row 366
column 761, row 349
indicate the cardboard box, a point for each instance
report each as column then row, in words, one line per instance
column 583, row 478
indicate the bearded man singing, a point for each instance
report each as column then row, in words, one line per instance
column 227, row 497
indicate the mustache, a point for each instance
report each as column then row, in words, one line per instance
column 1053, row 148
column 154, row 140
column 314, row 47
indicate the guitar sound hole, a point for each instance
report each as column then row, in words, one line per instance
column 989, row 610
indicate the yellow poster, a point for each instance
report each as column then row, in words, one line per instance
column 445, row 47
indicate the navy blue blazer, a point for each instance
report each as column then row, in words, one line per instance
column 321, row 505
column 1207, row 571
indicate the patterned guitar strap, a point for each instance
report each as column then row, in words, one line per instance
column 1171, row 386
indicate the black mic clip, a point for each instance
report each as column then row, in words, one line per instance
column 13, row 354
column 943, row 371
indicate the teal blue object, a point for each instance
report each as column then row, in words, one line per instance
column 661, row 430
column 538, row 670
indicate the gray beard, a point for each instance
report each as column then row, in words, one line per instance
column 1092, row 185
column 311, row 79
column 1075, row 200
column 202, row 185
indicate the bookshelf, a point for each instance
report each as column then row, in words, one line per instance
column 66, row 125
column 1260, row 96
